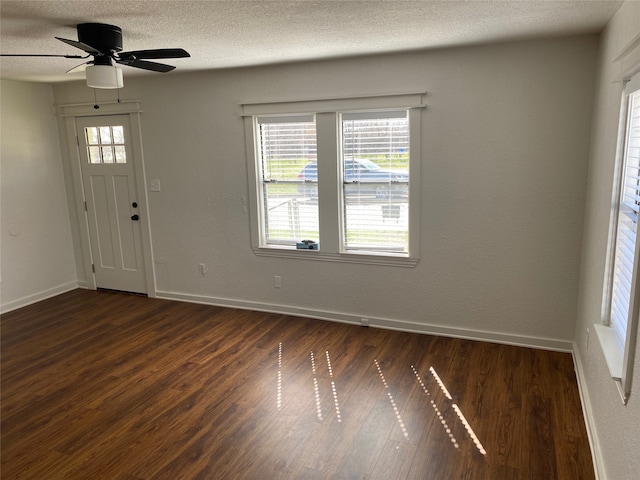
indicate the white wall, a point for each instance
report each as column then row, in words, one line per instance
column 505, row 148
column 37, row 258
column 615, row 427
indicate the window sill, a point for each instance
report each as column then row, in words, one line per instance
column 613, row 354
column 359, row 258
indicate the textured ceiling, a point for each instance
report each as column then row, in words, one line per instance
column 234, row 33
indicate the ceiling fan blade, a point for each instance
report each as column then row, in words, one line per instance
column 81, row 46
column 153, row 66
column 79, row 68
column 40, row 55
column 156, row 53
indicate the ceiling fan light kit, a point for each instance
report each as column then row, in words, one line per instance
column 104, row 76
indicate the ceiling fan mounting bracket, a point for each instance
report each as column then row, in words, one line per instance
column 101, row 36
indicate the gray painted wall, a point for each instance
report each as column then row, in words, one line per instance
column 36, row 249
column 505, row 146
column 615, row 428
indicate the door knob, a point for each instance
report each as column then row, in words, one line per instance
column 135, row 217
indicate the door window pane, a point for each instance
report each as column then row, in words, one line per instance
column 107, row 155
column 118, row 134
column 121, row 156
column 105, row 135
column 92, row 135
column 94, row 155
column 105, row 144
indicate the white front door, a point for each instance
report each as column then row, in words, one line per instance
column 112, row 204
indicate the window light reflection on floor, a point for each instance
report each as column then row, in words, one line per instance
column 333, row 389
column 315, row 388
column 437, row 411
column 279, row 386
column 393, row 403
column 446, row 427
column 470, row 431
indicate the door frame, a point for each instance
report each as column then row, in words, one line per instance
column 132, row 109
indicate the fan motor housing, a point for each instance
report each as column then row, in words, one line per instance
column 102, row 37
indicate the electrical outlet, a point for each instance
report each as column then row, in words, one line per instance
column 202, row 269
column 277, row 281
column 364, row 322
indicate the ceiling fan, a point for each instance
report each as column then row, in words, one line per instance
column 103, row 42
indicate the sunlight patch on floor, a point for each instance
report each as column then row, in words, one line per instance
column 393, row 403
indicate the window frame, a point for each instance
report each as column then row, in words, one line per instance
column 327, row 114
column 343, row 117
column 261, row 183
column 620, row 357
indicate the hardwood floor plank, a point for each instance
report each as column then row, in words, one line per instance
column 394, row 461
column 369, row 442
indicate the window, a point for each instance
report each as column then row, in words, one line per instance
column 341, row 173
column 375, row 181
column 289, row 179
column 622, row 301
column 105, row 144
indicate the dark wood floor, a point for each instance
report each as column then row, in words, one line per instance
column 99, row 385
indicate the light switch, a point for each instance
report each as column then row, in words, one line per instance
column 155, row 185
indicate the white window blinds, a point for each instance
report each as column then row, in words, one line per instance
column 375, row 181
column 288, row 169
column 627, row 224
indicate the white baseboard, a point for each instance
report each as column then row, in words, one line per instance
column 596, row 452
column 390, row 324
column 386, row 323
column 36, row 297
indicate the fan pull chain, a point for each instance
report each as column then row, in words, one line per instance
column 95, row 100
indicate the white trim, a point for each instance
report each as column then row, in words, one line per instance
column 378, row 322
column 78, row 190
column 131, row 109
column 104, row 108
column 359, row 258
column 613, row 217
column 331, row 98
column 37, row 297
column 295, row 118
column 628, row 48
column 628, row 60
column 337, row 104
column 587, row 410
column 613, row 354
column 143, row 203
